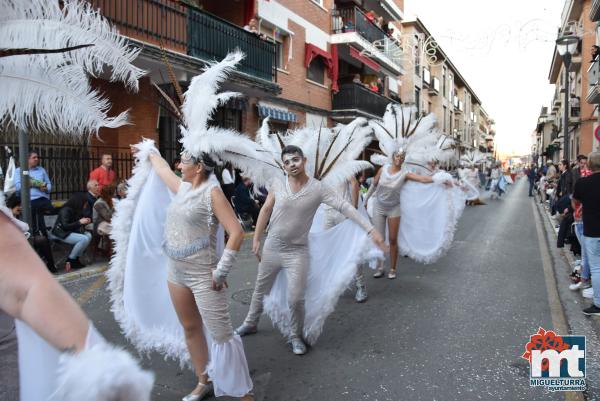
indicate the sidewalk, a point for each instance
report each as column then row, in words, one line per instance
column 90, row 270
column 573, row 302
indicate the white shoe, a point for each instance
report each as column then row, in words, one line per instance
column 588, row 293
column 298, row 346
column 582, row 285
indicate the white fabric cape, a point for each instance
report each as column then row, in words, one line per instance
column 138, row 283
column 9, row 177
column 334, row 257
column 429, row 215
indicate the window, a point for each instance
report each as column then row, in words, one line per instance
column 316, row 71
column 418, row 99
column 445, row 113
column 276, row 126
column 318, row 2
column 279, row 54
column 444, row 82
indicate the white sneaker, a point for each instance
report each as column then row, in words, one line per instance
column 582, row 285
column 588, row 293
column 576, row 265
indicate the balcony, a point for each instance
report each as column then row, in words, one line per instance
column 595, row 11
column 352, row 26
column 354, row 100
column 434, row 88
column 593, row 95
column 190, row 31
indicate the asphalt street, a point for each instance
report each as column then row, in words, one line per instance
column 453, row 330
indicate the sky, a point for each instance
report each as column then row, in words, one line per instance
column 503, row 49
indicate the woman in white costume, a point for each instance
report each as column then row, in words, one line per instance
column 196, row 276
column 420, row 216
column 168, row 276
column 387, row 186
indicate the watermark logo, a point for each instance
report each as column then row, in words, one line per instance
column 556, row 362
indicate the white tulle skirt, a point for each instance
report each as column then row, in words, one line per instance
column 139, row 292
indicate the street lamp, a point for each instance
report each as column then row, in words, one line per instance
column 566, row 46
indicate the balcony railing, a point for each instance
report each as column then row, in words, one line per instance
column 593, row 95
column 191, row 31
column 212, row 38
column 354, row 96
column 352, row 19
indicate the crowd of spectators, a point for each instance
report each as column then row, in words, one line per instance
column 84, row 219
column 571, row 194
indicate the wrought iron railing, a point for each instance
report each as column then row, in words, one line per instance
column 191, row 31
column 210, row 38
column 153, row 21
column 69, row 165
column 353, row 96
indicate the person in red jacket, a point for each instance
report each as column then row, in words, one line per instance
column 105, row 175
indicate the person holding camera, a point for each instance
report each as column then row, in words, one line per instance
column 70, row 229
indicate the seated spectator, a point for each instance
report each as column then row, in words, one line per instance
column 122, row 190
column 244, row 202
column 373, row 86
column 92, row 196
column 228, row 181
column 70, row 229
column 380, row 86
column 103, row 211
column 356, row 79
column 40, row 243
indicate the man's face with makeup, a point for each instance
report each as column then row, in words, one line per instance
column 293, row 164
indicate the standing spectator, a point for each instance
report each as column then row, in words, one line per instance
column 595, row 53
column 582, row 166
column 565, row 182
column 531, row 175
column 244, row 202
column 587, row 192
column 380, row 86
column 103, row 211
column 550, row 172
column 122, row 190
column 70, row 228
column 39, row 193
column 579, row 172
column 228, row 181
column 104, row 175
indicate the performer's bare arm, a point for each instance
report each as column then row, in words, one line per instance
column 28, row 292
column 345, row 208
column 261, row 223
column 373, row 186
column 425, row 179
column 224, row 213
column 163, row 170
column 355, row 191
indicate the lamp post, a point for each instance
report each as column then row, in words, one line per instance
column 566, row 46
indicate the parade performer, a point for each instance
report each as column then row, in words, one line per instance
column 48, row 50
column 421, row 218
column 470, row 180
column 301, row 276
column 179, row 243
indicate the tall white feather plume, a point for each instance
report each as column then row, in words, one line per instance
column 472, row 158
column 53, row 99
column 46, row 24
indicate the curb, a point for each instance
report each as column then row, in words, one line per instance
column 83, row 273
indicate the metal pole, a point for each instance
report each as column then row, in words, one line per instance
column 567, row 61
column 25, row 183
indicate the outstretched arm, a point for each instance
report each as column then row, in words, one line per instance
column 28, row 292
column 261, row 223
column 163, row 170
column 425, row 179
column 331, row 199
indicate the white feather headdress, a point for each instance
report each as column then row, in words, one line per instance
column 51, row 91
column 471, row 158
column 330, row 152
column 402, row 132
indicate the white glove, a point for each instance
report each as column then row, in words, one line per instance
column 222, row 271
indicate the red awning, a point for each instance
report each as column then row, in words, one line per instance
column 364, row 59
column 312, row 51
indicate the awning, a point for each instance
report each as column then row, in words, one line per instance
column 276, row 114
column 364, row 59
column 312, row 51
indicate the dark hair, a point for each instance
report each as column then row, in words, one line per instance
column 106, row 193
column 76, row 202
column 33, row 152
column 581, row 157
column 565, row 163
column 13, row 201
column 290, row 150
